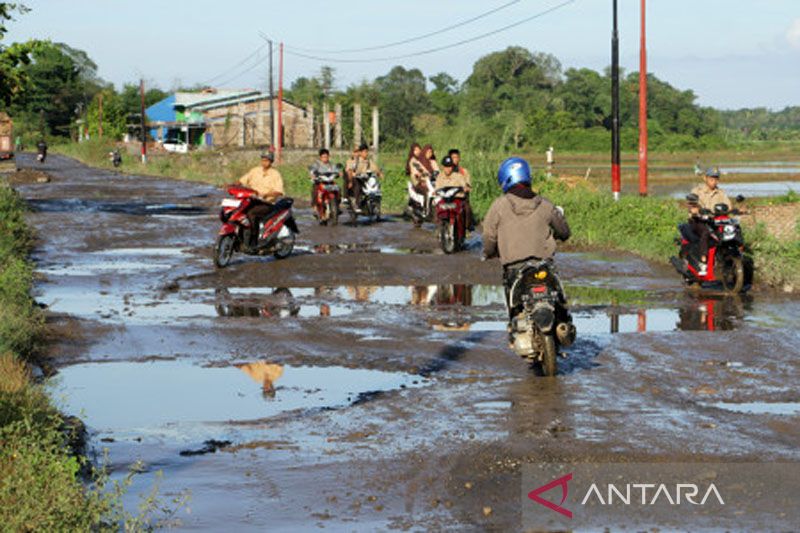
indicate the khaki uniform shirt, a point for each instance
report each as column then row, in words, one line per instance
column 708, row 198
column 455, row 179
column 364, row 166
column 268, row 185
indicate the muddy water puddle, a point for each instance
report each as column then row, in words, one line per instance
column 187, row 402
column 117, row 261
column 760, row 408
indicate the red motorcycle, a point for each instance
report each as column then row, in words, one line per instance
column 450, row 213
column 326, row 198
column 276, row 233
column 725, row 260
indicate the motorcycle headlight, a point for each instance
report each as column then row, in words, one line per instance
column 728, row 233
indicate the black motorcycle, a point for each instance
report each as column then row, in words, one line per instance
column 540, row 322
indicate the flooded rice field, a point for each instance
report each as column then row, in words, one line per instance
column 365, row 383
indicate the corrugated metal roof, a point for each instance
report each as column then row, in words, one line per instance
column 243, row 99
column 195, row 99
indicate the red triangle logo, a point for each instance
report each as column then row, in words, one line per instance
column 563, row 483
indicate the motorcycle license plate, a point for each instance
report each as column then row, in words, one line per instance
column 539, row 291
column 448, row 206
column 231, row 202
column 331, row 188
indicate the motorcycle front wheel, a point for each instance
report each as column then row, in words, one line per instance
column 447, row 237
column 333, row 214
column 731, row 274
column 285, row 247
column 223, row 250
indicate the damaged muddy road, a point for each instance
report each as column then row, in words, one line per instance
column 365, row 382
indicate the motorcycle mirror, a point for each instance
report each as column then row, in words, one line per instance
column 740, row 198
column 692, row 198
column 339, row 166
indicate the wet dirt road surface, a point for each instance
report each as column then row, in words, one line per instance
column 365, row 382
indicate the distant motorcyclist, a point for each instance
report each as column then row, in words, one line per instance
column 455, row 155
column 705, row 197
column 321, row 166
column 268, row 184
column 363, row 165
column 451, row 178
column 41, row 150
column 521, row 225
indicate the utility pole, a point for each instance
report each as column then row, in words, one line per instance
column 144, row 120
column 100, row 113
column 271, row 101
column 643, row 107
column 280, row 104
column 375, row 131
column 615, row 170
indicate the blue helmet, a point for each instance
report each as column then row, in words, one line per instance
column 513, row 171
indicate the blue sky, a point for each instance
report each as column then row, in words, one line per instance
column 731, row 53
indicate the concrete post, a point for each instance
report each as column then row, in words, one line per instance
column 337, row 127
column 375, row 130
column 326, row 125
column 310, row 124
column 274, row 120
column 243, row 139
column 260, row 123
column 357, row 136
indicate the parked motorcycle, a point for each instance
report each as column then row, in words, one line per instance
column 420, row 206
column 276, row 233
column 725, row 259
column 540, row 322
column 115, row 157
column 370, row 202
column 326, row 198
column 452, row 218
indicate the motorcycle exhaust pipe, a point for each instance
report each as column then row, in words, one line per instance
column 566, row 332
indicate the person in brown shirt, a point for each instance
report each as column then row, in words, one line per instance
column 450, row 178
column 363, row 165
column 268, row 184
column 705, row 196
column 455, row 155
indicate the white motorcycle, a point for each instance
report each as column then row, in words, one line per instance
column 369, row 203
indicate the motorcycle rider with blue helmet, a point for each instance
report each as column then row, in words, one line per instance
column 521, row 225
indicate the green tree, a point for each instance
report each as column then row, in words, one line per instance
column 402, row 95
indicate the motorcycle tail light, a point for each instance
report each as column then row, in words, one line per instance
column 538, row 289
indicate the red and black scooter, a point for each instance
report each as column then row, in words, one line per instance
column 725, row 261
column 276, row 233
column 326, row 198
column 452, row 218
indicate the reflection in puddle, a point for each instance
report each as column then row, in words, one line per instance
column 366, row 247
column 116, row 261
column 165, row 394
column 760, row 408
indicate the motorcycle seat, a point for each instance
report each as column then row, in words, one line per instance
column 284, row 203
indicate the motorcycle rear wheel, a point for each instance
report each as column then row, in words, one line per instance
column 223, row 250
column 549, row 355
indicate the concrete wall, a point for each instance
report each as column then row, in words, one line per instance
column 247, row 124
column 781, row 220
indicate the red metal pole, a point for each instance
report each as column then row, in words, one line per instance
column 643, row 107
column 280, row 104
column 144, row 122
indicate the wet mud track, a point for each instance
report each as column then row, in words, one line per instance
column 364, row 383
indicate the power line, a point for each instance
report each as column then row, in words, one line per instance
column 248, row 69
column 437, row 49
column 234, row 67
column 411, row 39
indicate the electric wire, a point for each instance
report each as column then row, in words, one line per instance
column 411, row 39
column 237, row 65
column 436, row 49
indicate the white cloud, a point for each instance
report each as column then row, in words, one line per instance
column 793, row 34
